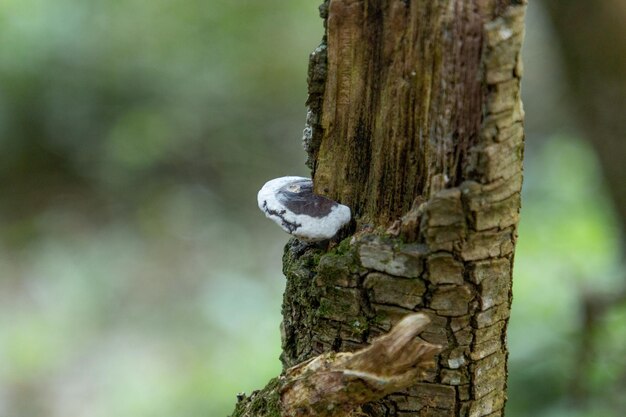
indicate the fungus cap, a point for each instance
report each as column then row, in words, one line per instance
column 291, row 203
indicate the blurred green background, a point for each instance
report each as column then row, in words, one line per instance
column 137, row 277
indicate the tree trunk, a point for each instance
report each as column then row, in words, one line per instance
column 415, row 122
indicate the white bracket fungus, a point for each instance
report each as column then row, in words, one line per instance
column 290, row 203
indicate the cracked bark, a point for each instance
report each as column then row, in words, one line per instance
column 415, row 122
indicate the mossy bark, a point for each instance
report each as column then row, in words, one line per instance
column 415, row 122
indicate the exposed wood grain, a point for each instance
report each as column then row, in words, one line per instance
column 415, row 122
column 420, row 131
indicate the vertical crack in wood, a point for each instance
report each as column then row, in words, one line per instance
column 421, row 125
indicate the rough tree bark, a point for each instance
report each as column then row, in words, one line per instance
column 415, row 122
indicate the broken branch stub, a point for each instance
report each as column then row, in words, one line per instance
column 337, row 384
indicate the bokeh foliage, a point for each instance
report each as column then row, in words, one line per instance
column 136, row 275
